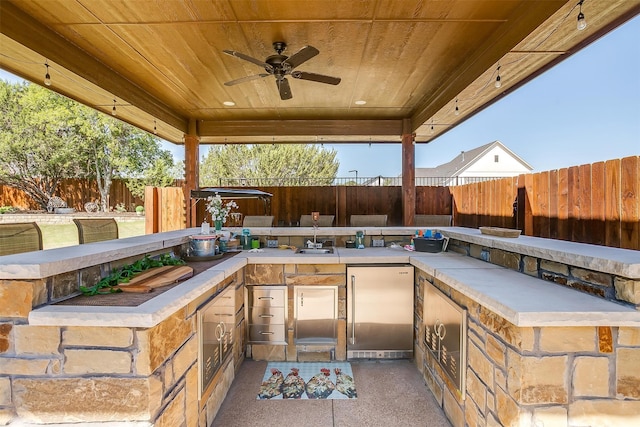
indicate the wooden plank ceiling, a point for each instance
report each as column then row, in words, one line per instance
column 161, row 62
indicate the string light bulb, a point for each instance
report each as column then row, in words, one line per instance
column 457, row 110
column 432, row 130
column 155, row 127
column 47, row 77
column 498, row 82
column 113, row 110
column 582, row 23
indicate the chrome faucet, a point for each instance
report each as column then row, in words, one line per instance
column 315, row 216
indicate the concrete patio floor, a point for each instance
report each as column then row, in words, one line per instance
column 390, row 393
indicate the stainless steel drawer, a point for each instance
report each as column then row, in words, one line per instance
column 266, row 315
column 270, row 334
column 268, row 297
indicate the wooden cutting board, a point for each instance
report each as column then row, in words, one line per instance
column 156, row 277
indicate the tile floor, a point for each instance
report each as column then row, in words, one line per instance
column 391, row 393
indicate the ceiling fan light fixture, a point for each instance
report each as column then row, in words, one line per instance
column 280, row 66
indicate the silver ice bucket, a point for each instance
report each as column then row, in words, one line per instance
column 202, row 245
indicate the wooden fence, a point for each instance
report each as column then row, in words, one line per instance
column 596, row 203
column 76, row 192
column 289, row 203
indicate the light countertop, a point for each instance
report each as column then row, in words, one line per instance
column 521, row 299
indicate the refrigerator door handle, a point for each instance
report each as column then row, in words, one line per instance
column 353, row 309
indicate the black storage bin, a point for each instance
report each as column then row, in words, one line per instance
column 422, row 244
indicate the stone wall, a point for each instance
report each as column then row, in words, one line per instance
column 535, row 376
column 66, row 374
column 51, row 218
column 608, row 286
column 308, row 275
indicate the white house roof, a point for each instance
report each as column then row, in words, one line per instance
column 466, row 159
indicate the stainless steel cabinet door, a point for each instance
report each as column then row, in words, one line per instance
column 316, row 314
column 380, row 308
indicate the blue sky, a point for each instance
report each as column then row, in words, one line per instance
column 584, row 110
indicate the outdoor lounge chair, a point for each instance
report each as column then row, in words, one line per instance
column 16, row 238
column 368, row 221
column 96, row 229
column 257, row 221
column 323, row 221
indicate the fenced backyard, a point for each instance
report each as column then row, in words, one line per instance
column 596, row 203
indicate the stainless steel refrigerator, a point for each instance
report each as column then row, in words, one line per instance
column 380, row 311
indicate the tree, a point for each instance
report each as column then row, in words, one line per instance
column 38, row 140
column 118, row 150
column 262, row 164
column 45, row 137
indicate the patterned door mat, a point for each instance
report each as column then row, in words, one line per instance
column 307, row 380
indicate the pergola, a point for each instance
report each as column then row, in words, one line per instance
column 410, row 70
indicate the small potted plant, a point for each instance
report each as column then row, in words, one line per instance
column 140, row 210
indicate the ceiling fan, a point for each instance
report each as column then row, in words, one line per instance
column 280, row 66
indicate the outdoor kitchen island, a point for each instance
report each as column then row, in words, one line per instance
column 536, row 351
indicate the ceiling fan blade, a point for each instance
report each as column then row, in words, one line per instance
column 240, row 55
column 245, row 79
column 303, row 55
column 284, row 88
column 320, row 78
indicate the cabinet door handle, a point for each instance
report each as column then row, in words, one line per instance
column 353, row 309
column 266, row 333
column 265, row 297
column 266, row 315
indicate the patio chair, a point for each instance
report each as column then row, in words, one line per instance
column 16, row 238
column 368, row 221
column 96, row 229
column 323, row 221
column 257, row 221
column 433, row 220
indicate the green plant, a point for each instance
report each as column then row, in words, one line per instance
column 120, row 207
column 139, row 209
column 126, row 272
column 5, row 209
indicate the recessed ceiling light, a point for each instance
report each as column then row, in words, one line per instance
column 360, row 102
column 229, row 103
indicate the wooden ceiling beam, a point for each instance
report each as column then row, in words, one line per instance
column 25, row 30
column 299, row 127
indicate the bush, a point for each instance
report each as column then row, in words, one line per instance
column 6, row 209
column 139, row 209
column 120, row 207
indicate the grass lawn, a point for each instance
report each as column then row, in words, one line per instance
column 60, row 235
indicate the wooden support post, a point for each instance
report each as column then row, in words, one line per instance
column 192, row 171
column 408, row 175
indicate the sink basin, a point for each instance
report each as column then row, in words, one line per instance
column 314, row 251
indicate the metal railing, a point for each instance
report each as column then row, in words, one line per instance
column 377, row 181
